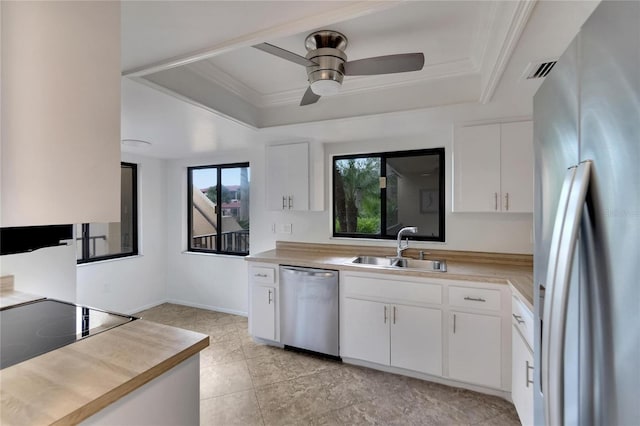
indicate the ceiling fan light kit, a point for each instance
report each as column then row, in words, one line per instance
column 327, row 64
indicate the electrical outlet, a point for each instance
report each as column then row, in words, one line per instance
column 284, row 228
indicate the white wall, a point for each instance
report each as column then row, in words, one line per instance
column 208, row 281
column 507, row 233
column 220, row 282
column 47, row 272
column 131, row 284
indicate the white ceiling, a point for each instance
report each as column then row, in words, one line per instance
column 199, row 52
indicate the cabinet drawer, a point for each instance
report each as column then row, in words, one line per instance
column 522, row 319
column 475, row 298
column 262, row 275
column 393, row 290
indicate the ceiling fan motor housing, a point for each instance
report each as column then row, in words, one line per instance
column 326, row 48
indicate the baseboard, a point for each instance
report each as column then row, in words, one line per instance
column 422, row 376
column 208, row 307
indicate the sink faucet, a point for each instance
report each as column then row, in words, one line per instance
column 401, row 247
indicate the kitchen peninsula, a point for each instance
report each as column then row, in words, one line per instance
column 122, row 374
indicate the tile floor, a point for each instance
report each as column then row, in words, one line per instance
column 245, row 383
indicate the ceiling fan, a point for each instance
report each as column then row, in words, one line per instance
column 327, row 63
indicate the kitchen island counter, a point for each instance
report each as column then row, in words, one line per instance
column 72, row 383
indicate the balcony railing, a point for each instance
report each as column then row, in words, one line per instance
column 232, row 241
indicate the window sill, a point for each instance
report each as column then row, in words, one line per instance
column 116, row 259
column 200, row 253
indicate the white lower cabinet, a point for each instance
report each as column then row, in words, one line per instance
column 264, row 307
column 522, row 378
column 416, row 339
column 366, row 331
column 263, row 311
column 475, row 349
column 398, row 335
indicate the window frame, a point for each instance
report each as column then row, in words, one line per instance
column 218, row 240
column 85, row 238
column 383, row 156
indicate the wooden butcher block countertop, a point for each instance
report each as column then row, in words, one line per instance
column 499, row 268
column 69, row 384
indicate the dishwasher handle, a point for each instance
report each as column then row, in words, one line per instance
column 309, row 272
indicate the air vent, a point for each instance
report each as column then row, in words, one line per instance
column 538, row 69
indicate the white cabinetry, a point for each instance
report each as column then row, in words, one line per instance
column 493, row 168
column 60, row 113
column 288, row 177
column 389, row 333
column 264, row 307
column 474, row 349
column 522, row 362
column 475, row 335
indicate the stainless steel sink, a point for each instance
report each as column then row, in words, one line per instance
column 401, row 263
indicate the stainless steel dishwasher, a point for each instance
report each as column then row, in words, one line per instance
column 309, row 306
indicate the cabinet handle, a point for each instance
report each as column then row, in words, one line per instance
column 475, row 299
column 518, row 318
column 454, row 323
column 385, row 314
column 260, row 275
column 284, row 202
column 526, row 374
column 270, row 299
column 506, row 201
column 290, row 202
column 495, row 201
column 394, row 314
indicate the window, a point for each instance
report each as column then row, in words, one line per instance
column 374, row 195
column 100, row 241
column 218, row 198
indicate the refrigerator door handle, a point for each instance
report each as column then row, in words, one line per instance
column 559, row 276
column 558, row 225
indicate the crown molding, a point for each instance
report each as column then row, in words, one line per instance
column 518, row 21
column 283, row 30
column 215, row 75
column 355, row 85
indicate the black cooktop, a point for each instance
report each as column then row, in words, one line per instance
column 34, row 328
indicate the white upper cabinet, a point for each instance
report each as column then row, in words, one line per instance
column 60, row 113
column 493, row 168
column 295, row 178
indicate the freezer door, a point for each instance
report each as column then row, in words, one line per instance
column 610, row 136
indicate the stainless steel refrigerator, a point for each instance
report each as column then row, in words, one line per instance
column 587, row 226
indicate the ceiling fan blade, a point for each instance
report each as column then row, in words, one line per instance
column 309, row 97
column 385, row 64
column 284, row 54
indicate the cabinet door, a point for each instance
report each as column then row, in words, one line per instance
column 521, row 378
column 366, row 330
column 276, row 177
column 516, row 151
column 263, row 312
column 476, row 169
column 416, row 339
column 474, row 349
column 288, row 177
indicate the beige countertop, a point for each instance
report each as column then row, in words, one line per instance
column 69, row 384
column 465, row 266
